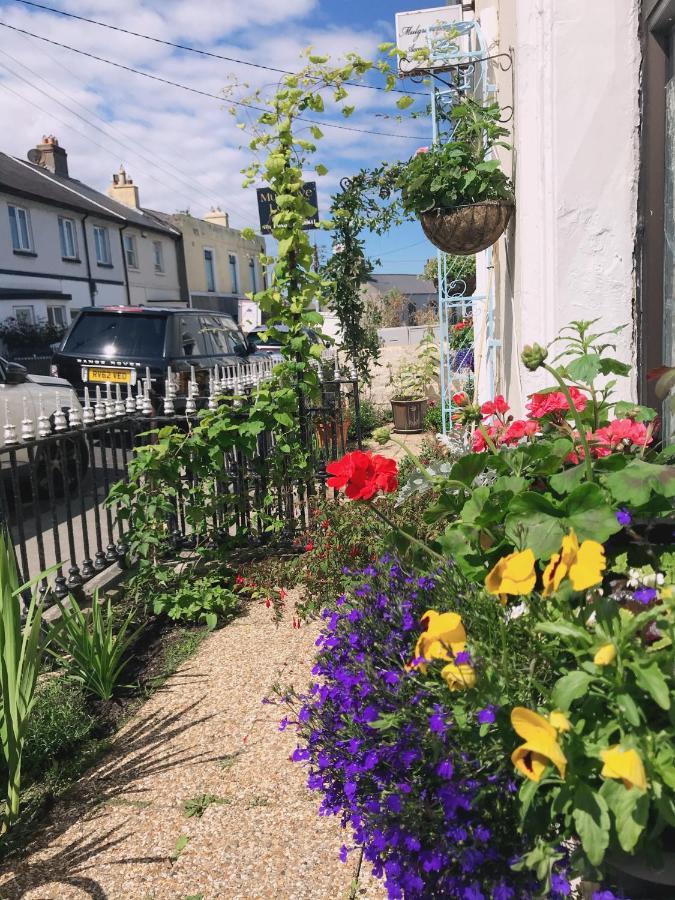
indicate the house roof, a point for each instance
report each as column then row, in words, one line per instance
column 27, row 180
column 409, row 285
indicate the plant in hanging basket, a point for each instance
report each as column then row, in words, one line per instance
column 463, row 197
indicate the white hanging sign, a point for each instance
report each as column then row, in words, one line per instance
column 419, row 28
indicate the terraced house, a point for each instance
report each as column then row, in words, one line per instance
column 65, row 246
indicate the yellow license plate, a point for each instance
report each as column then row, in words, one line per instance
column 116, row 376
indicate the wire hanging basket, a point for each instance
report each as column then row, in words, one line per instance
column 465, row 230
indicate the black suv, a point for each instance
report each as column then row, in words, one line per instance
column 117, row 344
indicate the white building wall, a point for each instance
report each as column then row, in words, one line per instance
column 569, row 253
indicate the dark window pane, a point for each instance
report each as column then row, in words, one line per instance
column 136, row 335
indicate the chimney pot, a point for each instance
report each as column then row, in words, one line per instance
column 49, row 155
column 124, row 190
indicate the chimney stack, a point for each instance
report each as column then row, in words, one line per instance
column 124, row 190
column 218, row 217
column 50, row 156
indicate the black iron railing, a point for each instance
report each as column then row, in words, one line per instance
column 53, row 486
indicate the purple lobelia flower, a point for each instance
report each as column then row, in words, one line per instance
column 645, row 595
column 623, row 517
column 488, row 715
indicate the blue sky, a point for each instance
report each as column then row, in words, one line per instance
column 184, row 150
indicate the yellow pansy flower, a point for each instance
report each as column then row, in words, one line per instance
column 605, row 655
column 624, row 764
column 582, row 564
column 513, row 574
column 541, row 746
column 444, row 632
column 560, row 721
column 459, row 677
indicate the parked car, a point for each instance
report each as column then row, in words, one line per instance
column 271, row 346
column 118, row 344
column 58, row 463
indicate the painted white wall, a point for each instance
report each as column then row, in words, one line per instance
column 569, row 253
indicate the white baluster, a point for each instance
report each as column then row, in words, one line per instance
column 213, row 403
column 147, row 402
column 109, row 402
column 119, row 403
column 99, row 407
column 190, row 405
column 87, row 412
column 9, row 431
column 131, row 403
column 74, row 414
column 60, row 423
column 169, row 394
column 27, row 423
column 44, row 428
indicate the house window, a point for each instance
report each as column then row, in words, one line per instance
column 56, row 315
column 130, row 251
column 254, row 276
column 158, row 252
column 233, row 273
column 19, row 226
column 24, row 315
column 210, row 270
column 102, row 244
column 68, row 238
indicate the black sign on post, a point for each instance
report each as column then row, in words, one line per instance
column 267, row 206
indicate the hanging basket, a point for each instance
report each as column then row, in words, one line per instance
column 465, row 230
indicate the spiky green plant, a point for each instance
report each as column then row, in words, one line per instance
column 20, row 656
column 88, row 648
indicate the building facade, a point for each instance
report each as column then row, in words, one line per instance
column 221, row 266
column 64, row 246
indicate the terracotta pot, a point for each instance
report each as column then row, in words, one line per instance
column 465, row 230
column 409, row 416
column 325, row 431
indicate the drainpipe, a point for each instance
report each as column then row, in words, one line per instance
column 124, row 262
column 92, row 283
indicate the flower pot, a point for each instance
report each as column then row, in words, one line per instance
column 462, row 359
column 409, row 416
column 639, row 880
column 327, row 431
column 465, row 230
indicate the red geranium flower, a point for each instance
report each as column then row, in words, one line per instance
column 498, row 405
column 309, row 546
column 541, row 405
column 622, row 433
column 460, row 399
column 362, row 474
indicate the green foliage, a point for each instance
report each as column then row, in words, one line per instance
column 457, row 268
column 195, row 807
column 413, row 379
column 433, row 419
column 92, row 653
column 382, row 434
column 20, row 657
column 205, row 599
column 459, row 172
column 29, row 335
column 370, row 417
column 365, row 202
column 58, row 723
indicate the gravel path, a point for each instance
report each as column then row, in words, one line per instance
column 118, row 835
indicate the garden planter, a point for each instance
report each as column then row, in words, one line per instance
column 409, row 415
column 640, row 881
column 465, row 230
column 462, row 359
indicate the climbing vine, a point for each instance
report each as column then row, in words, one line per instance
column 367, row 202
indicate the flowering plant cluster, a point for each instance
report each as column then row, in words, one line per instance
column 462, row 334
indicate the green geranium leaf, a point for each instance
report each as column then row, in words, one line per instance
column 652, row 680
column 569, row 688
column 534, row 522
column 614, row 367
column 568, row 479
column 623, row 410
column 468, row 467
column 635, row 483
column 591, row 818
column 589, row 514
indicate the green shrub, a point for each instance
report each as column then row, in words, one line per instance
column 59, row 721
column 88, row 648
column 205, row 599
column 369, row 418
column 382, row 434
column 433, row 420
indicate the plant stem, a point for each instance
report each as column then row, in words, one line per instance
column 413, row 540
column 577, row 420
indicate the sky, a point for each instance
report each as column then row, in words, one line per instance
column 184, row 150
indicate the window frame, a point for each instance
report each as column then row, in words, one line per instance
column 66, row 222
column 131, row 253
column 57, row 307
column 213, row 281
column 15, row 230
column 104, row 232
column 20, row 309
column 158, row 258
column 234, row 274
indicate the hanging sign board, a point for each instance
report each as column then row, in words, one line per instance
column 423, row 28
column 267, row 206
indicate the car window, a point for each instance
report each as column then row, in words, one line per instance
column 216, row 335
column 117, row 334
column 191, row 342
column 231, row 333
